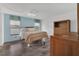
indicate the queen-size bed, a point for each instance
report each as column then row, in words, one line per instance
column 30, row 35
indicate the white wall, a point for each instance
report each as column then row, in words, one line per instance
column 46, row 25
column 68, row 16
column 48, row 22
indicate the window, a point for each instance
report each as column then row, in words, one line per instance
column 37, row 24
column 14, row 24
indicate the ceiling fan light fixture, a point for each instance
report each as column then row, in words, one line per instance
column 31, row 14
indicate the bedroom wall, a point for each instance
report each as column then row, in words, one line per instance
column 6, row 13
column 25, row 22
column 48, row 24
column 72, row 16
column 47, row 19
column 6, row 28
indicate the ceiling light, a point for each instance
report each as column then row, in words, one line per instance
column 31, row 14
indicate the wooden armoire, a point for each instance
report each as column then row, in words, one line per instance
column 61, row 27
column 65, row 44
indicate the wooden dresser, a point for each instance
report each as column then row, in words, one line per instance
column 64, row 45
column 62, row 27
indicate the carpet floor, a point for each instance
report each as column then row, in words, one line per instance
column 20, row 48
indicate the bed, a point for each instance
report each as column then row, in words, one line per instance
column 30, row 35
column 36, row 36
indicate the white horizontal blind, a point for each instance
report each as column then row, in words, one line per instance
column 15, row 24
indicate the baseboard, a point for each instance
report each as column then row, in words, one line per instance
column 12, row 42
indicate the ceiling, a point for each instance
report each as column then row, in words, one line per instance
column 47, row 9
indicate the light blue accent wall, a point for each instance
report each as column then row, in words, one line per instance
column 6, row 28
column 0, row 29
column 7, row 34
column 26, row 22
